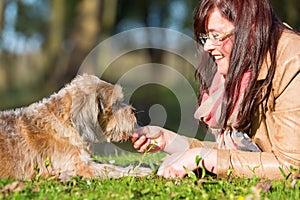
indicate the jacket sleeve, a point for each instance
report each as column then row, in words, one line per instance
column 249, row 164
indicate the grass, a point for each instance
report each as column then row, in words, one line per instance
column 149, row 187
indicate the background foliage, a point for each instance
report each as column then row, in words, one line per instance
column 44, row 42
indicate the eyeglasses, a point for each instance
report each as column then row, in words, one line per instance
column 215, row 38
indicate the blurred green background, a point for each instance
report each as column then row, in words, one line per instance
column 44, row 42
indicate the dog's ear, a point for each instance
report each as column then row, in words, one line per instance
column 103, row 96
column 107, row 95
column 117, row 94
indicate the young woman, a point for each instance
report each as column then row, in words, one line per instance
column 252, row 104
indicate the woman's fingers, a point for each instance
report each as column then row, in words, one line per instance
column 141, row 144
column 134, row 137
column 170, row 172
column 147, row 139
column 178, row 164
column 139, row 141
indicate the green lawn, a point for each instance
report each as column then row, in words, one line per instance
column 150, row 187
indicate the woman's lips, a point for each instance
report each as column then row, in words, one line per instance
column 218, row 57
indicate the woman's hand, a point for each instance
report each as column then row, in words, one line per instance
column 148, row 139
column 178, row 164
column 154, row 138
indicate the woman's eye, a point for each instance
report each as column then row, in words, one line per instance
column 216, row 35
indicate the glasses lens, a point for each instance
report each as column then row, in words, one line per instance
column 203, row 39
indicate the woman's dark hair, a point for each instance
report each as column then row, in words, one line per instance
column 257, row 32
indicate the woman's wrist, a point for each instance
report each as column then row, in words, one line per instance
column 209, row 159
column 174, row 142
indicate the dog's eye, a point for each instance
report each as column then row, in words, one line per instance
column 101, row 107
column 100, row 104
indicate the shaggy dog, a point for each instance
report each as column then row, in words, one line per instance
column 51, row 137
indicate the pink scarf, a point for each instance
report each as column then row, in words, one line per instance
column 210, row 111
column 210, row 108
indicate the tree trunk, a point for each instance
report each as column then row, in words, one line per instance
column 291, row 12
column 53, row 54
column 83, row 37
column 2, row 5
column 108, row 17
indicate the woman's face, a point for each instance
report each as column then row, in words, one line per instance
column 219, row 27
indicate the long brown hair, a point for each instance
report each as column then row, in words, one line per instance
column 257, row 32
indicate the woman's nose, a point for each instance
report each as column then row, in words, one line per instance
column 208, row 46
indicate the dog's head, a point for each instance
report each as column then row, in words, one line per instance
column 99, row 112
column 115, row 117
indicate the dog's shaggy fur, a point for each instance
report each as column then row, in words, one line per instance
column 51, row 137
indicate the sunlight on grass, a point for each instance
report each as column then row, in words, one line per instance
column 125, row 159
column 149, row 187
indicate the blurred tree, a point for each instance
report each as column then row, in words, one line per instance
column 2, row 4
column 49, row 39
column 146, row 14
column 288, row 11
column 32, row 17
column 53, row 54
column 21, row 38
column 83, row 37
column 108, row 17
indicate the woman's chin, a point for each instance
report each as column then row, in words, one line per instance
column 222, row 67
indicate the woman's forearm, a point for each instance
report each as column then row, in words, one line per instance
column 249, row 164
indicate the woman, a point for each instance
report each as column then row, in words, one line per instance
column 252, row 105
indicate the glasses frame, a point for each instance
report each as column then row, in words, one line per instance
column 215, row 40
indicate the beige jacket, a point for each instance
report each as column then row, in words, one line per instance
column 276, row 128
